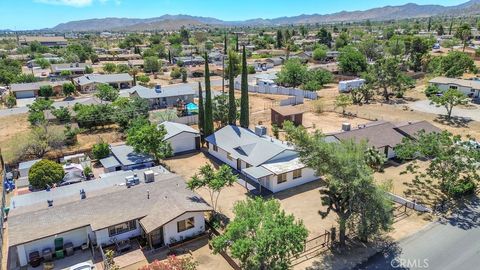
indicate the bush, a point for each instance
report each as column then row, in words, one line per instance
column 100, row 150
column 459, row 189
column 45, row 172
column 318, row 106
column 197, row 74
column 175, row 73
column 10, row 101
column 251, row 70
column 62, row 114
column 143, row 79
column 312, row 86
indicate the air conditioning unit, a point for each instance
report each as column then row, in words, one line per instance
column 149, row 176
column 261, row 130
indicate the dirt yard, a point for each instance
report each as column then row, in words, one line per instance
column 13, row 130
column 188, row 165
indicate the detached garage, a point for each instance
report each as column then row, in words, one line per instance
column 182, row 138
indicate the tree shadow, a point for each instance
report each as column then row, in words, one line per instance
column 454, row 121
column 464, row 213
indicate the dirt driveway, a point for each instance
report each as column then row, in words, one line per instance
column 189, row 164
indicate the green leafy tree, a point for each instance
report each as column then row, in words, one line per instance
column 233, row 60
column 262, row 236
column 122, row 68
column 464, row 33
column 88, row 70
column 68, row 89
column 46, row 91
column 453, row 162
column 36, row 111
column 128, row 110
column 386, row 76
column 350, row 191
column 449, row 99
column 293, row 73
column 208, row 120
column 151, row 64
column 106, row 92
column 343, row 101
column 100, row 150
column 319, row 54
column 375, row 159
column 213, row 180
column 244, row 105
column 352, row 61
column 42, row 63
column 10, row 101
column 149, row 139
column 279, row 39
column 109, row 67
column 418, row 49
column 62, row 114
column 325, row 37
column 134, row 72
column 45, row 173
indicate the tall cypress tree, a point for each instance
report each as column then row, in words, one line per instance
column 232, row 107
column 208, row 125
column 169, row 57
column 201, row 110
column 236, row 42
column 225, row 44
column 244, row 111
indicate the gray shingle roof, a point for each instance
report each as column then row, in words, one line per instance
column 110, row 162
column 246, row 145
column 412, row 129
column 377, row 134
column 174, row 129
column 126, row 155
column 69, row 66
column 169, row 198
column 15, row 87
column 103, row 78
column 465, row 83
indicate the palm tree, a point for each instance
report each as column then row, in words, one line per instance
column 134, row 71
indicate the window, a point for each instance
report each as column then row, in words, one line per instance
column 229, row 156
column 297, row 173
column 122, row 228
column 281, row 178
column 215, row 148
column 186, row 224
column 248, row 165
column 453, row 87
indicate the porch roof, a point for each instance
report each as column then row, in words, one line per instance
column 257, row 172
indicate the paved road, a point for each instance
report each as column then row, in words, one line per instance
column 424, row 106
column 453, row 244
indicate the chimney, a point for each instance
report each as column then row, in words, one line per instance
column 50, row 203
column 148, row 194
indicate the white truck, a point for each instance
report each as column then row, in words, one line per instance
column 347, row 86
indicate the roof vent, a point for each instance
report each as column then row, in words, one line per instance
column 346, row 127
column 83, row 195
column 132, row 180
column 50, row 203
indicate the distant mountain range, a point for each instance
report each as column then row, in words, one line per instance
column 172, row 22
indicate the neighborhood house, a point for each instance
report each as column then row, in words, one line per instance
column 160, row 210
column 158, row 97
column 273, row 164
column 181, row 137
column 31, row 90
column 125, row 158
column 88, row 83
column 471, row 88
column 383, row 136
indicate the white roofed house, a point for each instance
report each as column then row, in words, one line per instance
column 163, row 97
column 471, row 88
column 73, row 68
column 182, row 138
column 87, row 83
column 158, row 209
column 273, row 164
column 125, row 158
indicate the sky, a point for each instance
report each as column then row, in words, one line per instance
column 37, row 14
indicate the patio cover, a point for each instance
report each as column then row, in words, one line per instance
column 257, row 172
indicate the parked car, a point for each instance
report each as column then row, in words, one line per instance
column 82, row 266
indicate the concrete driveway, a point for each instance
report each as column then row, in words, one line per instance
column 424, row 106
column 23, row 102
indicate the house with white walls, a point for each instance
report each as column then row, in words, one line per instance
column 181, row 137
column 273, row 164
column 158, row 208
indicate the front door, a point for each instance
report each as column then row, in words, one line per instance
column 239, row 165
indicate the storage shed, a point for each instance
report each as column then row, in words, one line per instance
column 287, row 113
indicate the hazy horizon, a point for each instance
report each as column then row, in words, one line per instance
column 38, row 14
